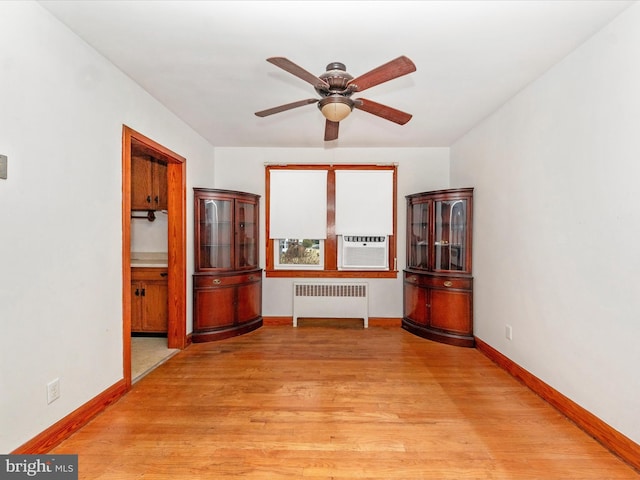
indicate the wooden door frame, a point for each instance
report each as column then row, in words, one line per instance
column 177, row 248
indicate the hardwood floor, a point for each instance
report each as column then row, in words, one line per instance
column 335, row 403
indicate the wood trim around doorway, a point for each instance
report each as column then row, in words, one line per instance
column 177, row 251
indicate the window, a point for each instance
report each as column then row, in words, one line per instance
column 311, row 208
column 299, row 254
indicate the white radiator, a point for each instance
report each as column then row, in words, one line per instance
column 331, row 300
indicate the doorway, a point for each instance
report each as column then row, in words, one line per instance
column 176, row 242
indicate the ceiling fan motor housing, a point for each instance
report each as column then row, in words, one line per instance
column 337, row 78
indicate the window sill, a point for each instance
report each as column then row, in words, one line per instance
column 331, row 274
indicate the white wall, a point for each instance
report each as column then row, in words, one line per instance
column 419, row 169
column 557, row 225
column 62, row 108
column 149, row 236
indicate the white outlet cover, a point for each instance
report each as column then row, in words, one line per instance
column 53, row 390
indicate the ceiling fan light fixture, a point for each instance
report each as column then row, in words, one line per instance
column 335, row 87
column 335, row 107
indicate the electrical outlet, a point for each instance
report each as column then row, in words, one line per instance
column 508, row 332
column 53, row 390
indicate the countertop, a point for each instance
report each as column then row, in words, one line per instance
column 149, row 259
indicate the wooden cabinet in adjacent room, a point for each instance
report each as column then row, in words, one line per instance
column 148, row 183
column 149, row 308
column 227, row 284
column 438, row 282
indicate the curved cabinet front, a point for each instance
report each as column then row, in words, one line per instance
column 226, row 305
column 439, row 308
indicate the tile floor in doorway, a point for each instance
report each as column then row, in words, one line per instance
column 147, row 353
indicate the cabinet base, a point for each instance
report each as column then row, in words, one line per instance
column 228, row 332
column 438, row 335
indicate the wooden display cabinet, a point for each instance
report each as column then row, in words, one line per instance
column 227, row 284
column 438, row 282
column 149, row 297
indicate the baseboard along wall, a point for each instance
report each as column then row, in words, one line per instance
column 610, row 438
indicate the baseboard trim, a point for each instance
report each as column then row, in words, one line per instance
column 617, row 443
column 385, row 322
column 277, row 321
column 373, row 321
column 56, row 433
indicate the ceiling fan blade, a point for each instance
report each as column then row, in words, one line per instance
column 288, row 66
column 331, row 130
column 288, row 106
column 383, row 111
column 390, row 70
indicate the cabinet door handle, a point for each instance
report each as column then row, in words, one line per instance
column 217, row 281
column 156, row 199
column 428, row 305
column 164, row 274
column 448, row 283
column 148, row 198
column 137, row 292
column 142, row 292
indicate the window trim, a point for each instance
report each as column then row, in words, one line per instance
column 331, row 242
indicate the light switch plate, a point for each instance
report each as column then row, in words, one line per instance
column 3, row 166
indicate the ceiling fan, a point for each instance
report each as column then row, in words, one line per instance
column 336, row 86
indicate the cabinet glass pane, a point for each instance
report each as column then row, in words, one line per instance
column 450, row 241
column 419, row 236
column 247, row 249
column 215, row 233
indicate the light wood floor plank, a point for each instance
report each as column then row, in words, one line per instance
column 335, row 403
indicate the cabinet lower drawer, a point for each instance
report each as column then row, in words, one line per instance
column 204, row 281
column 432, row 281
column 149, row 273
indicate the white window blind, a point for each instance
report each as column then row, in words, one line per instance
column 364, row 202
column 298, row 204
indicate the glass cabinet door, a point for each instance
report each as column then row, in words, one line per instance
column 216, row 233
column 247, row 232
column 418, row 241
column 450, row 235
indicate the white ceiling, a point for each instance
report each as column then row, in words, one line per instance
column 206, row 60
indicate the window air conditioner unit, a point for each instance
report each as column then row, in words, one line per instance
column 360, row 252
